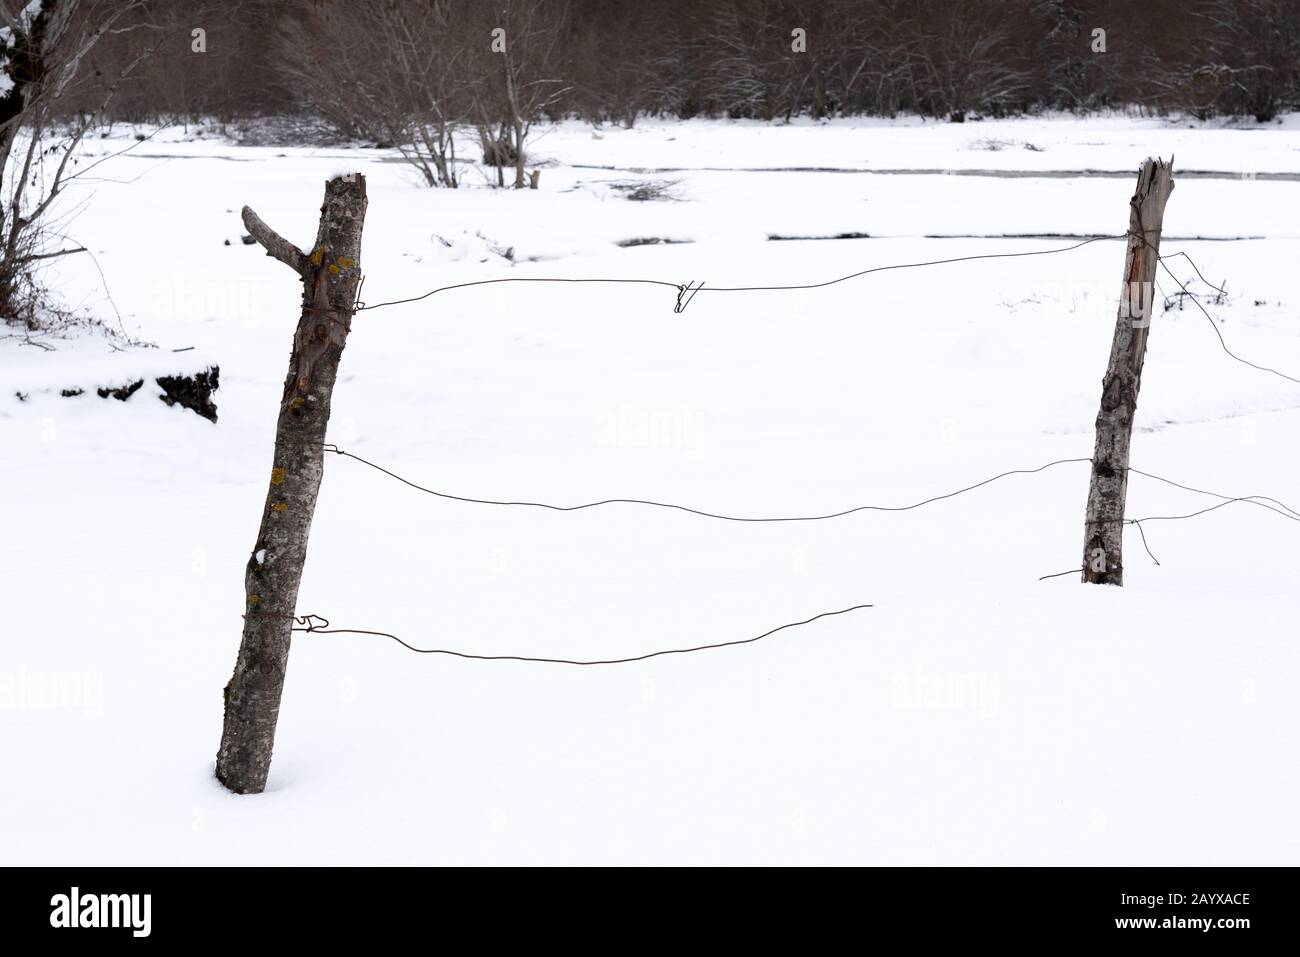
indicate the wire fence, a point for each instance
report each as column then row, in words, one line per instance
column 692, row 288
column 685, row 293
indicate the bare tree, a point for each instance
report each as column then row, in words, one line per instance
column 966, row 59
column 395, row 74
column 180, row 85
column 44, row 47
column 517, row 58
column 874, row 50
column 620, row 87
column 734, row 75
column 1247, row 58
column 418, row 71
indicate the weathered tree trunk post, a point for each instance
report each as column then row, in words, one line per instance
column 330, row 277
column 1103, row 556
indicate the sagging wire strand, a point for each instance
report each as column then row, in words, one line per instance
column 317, row 624
column 682, row 289
column 1263, row 501
column 687, row 291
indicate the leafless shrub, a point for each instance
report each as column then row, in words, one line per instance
column 1247, row 58
column 392, row 72
column 647, row 190
column 995, row 144
column 516, row 77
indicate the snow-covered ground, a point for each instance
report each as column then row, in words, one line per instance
column 974, row 715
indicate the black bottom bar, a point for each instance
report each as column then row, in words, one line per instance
column 264, row 907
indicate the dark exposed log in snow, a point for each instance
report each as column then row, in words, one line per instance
column 191, row 391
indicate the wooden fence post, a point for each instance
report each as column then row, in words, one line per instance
column 330, row 275
column 1103, row 556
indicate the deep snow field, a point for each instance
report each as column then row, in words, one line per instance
column 974, row 715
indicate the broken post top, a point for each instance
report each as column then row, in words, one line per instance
column 1153, row 165
column 1155, row 183
column 343, row 195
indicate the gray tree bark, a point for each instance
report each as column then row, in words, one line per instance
column 330, row 277
column 1103, row 554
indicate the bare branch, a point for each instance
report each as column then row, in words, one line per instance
column 53, row 255
column 276, row 246
column 126, row 149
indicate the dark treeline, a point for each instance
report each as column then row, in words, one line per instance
column 613, row 60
